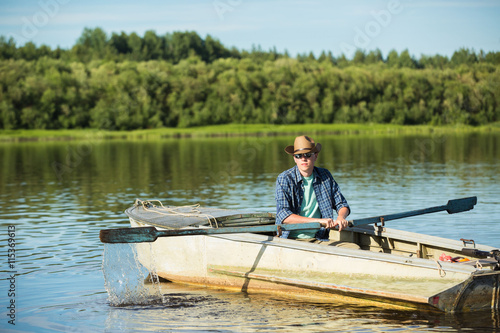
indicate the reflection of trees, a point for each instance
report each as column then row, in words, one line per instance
column 213, row 167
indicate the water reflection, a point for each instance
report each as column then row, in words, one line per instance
column 243, row 312
column 60, row 194
column 205, row 168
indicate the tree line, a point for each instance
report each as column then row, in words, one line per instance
column 127, row 82
column 95, row 44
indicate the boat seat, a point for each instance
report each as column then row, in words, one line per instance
column 348, row 245
column 345, row 244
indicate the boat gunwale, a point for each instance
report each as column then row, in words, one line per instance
column 436, row 241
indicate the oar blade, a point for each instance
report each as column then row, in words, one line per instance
column 461, row 205
column 128, row 235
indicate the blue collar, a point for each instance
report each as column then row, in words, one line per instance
column 298, row 176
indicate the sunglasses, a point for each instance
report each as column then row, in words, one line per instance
column 306, row 155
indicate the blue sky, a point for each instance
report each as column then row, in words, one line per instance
column 423, row 27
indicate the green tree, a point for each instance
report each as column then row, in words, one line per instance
column 463, row 57
column 92, row 44
column 182, row 45
column 214, row 50
column 153, row 46
column 7, row 48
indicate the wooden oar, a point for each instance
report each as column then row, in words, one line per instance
column 452, row 207
column 150, row 234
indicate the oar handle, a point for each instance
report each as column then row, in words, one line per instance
column 234, row 230
column 150, row 234
column 452, row 207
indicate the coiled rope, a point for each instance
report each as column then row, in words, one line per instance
column 174, row 211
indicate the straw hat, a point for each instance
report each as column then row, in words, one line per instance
column 303, row 144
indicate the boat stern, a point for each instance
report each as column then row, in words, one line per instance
column 480, row 292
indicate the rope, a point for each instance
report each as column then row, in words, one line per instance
column 173, row 211
column 441, row 271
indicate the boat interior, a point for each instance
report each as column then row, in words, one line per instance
column 378, row 238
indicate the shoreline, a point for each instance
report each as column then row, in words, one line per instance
column 237, row 130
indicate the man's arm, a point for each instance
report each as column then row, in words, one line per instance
column 341, row 221
column 294, row 219
column 341, row 206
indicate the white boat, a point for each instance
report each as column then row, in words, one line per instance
column 369, row 262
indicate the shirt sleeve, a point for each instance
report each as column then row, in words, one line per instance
column 283, row 200
column 339, row 199
column 330, row 198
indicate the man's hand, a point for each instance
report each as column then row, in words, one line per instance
column 341, row 222
column 327, row 223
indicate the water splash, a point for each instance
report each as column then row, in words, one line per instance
column 126, row 280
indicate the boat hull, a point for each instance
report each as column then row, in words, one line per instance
column 263, row 263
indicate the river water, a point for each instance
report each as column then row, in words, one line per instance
column 56, row 196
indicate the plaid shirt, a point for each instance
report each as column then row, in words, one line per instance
column 290, row 192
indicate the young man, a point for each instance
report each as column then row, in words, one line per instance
column 306, row 193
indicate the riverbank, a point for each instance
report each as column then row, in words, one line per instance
column 236, row 130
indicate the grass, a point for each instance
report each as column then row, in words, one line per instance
column 236, row 130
